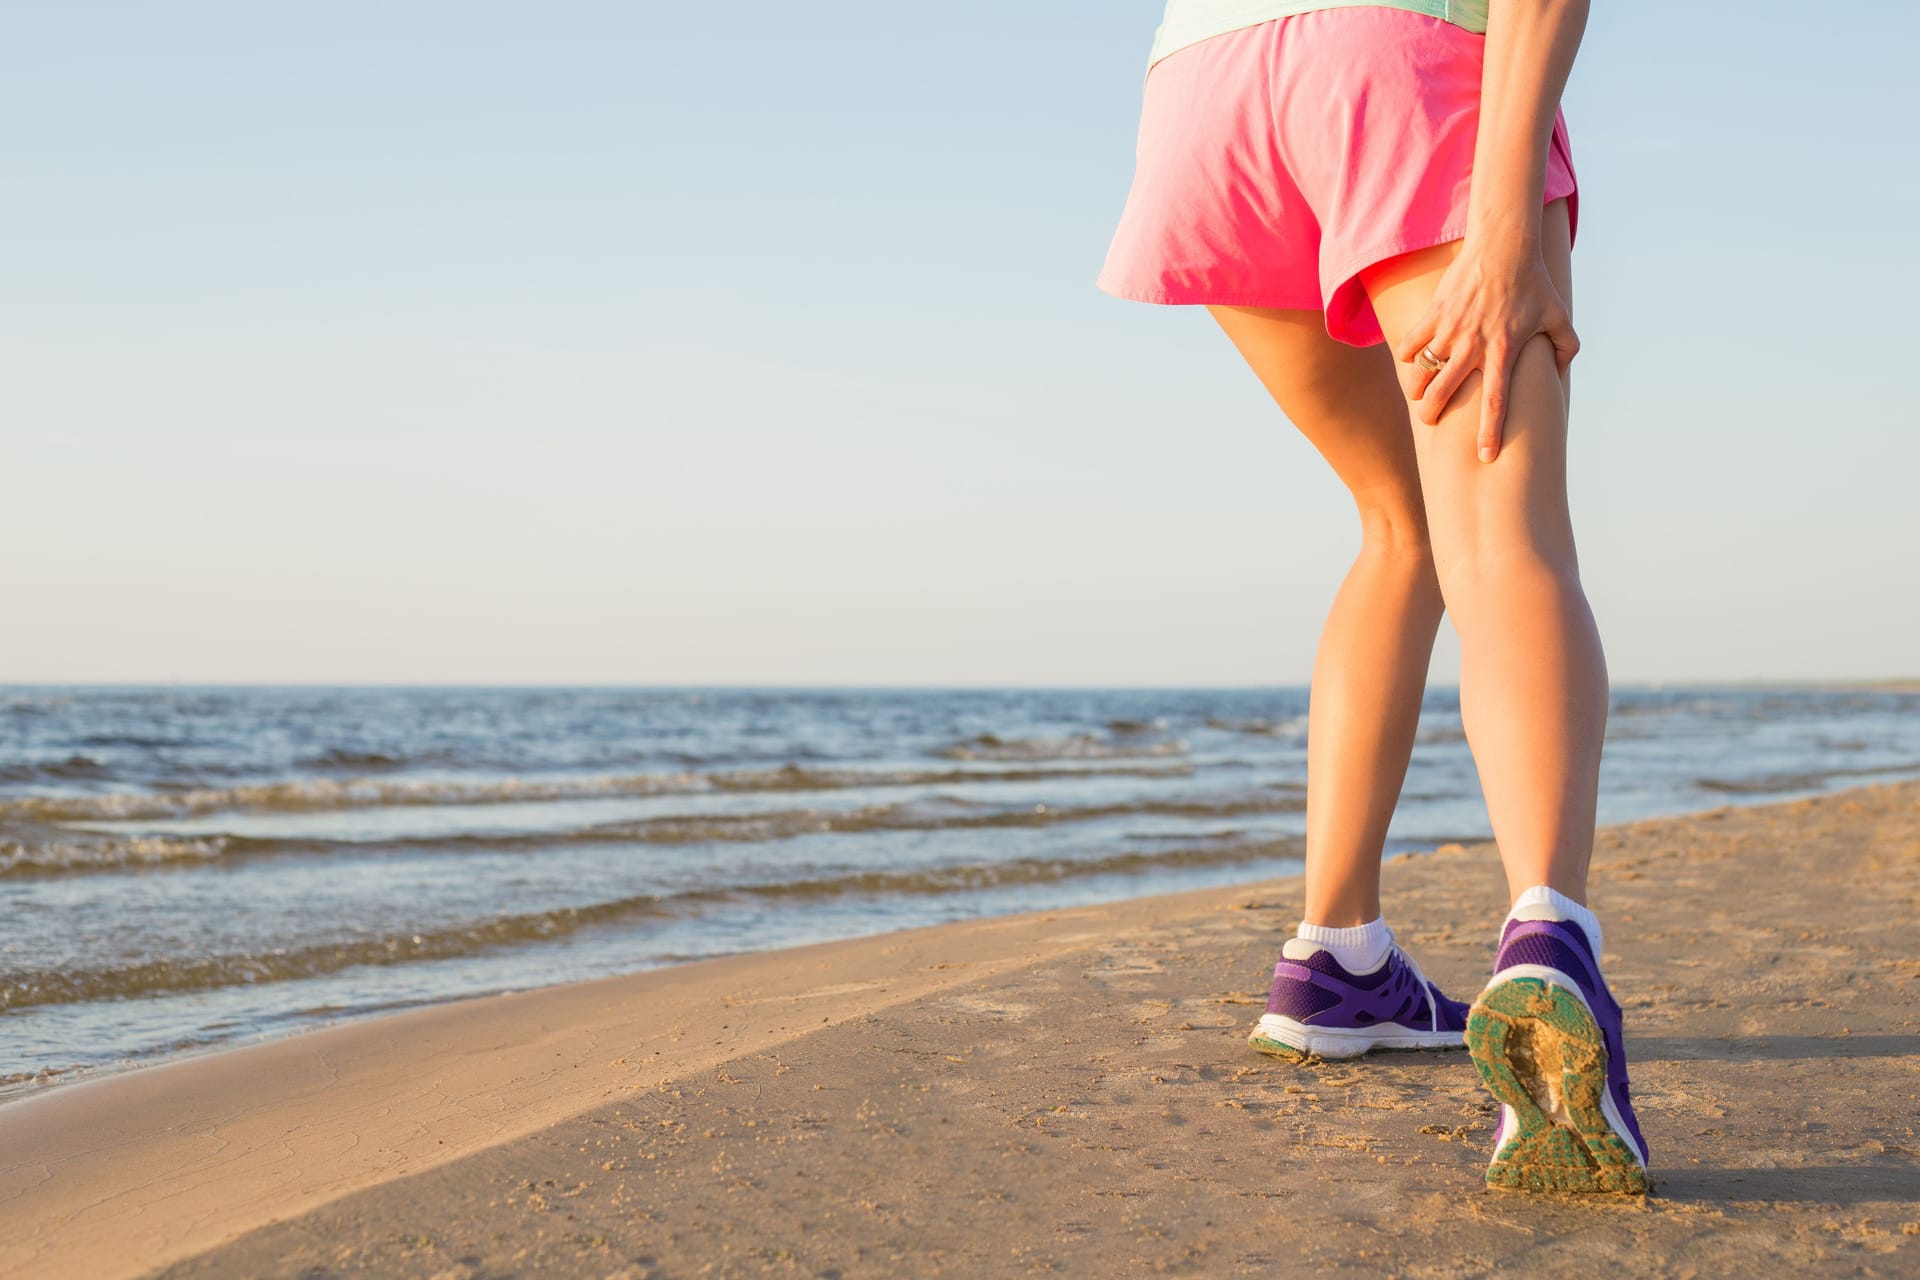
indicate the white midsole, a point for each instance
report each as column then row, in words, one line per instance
column 1343, row 1042
column 1546, row 973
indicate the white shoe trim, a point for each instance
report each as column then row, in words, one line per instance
column 1546, row 973
column 1509, row 1125
column 1351, row 1042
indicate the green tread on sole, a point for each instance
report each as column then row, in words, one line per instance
column 1521, row 1033
column 1276, row 1048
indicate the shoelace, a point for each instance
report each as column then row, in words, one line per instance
column 1433, row 1007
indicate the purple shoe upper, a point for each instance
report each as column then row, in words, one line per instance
column 1563, row 945
column 1318, row 992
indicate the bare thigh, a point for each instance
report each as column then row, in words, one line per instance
column 1347, row 403
column 1483, row 511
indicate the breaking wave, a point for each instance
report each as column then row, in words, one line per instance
column 1078, row 746
column 190, row 973
column 49, row 850
column 316, row 794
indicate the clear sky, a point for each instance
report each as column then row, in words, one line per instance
column 614, row 342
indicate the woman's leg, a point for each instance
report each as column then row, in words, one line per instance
column 1533, row 677
column 1371, row 668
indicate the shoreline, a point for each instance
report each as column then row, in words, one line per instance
column 404, row 857
column 24, row 1087
column 244, row 1160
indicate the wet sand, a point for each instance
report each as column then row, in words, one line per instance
column 1060, row 1094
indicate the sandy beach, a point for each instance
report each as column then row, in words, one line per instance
column 1066, row 1093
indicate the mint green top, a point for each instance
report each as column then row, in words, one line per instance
column 1191, row 21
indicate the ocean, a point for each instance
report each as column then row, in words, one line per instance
column 183, row 868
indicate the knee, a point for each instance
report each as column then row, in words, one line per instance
column 1394, row 525
column 1397, row 563
column 1501, row 569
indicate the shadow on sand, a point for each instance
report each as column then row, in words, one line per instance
column 1768, row 1048
column 1841, row 1185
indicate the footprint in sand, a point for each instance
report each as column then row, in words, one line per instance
column 1006, row 1009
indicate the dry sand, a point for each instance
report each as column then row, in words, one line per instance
column 1064, row 1094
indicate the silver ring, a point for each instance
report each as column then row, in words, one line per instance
column 1429, row 361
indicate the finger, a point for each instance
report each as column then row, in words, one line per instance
column 1419, row 376
column 1433, row 401
column 1566, row 343
column 1493, row 403
column 1416, row 337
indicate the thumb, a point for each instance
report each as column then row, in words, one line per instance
column 1566, row 343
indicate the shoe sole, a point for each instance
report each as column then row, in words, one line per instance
column 1284, row 1037
column 1538, row 1048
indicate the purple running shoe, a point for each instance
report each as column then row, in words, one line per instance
column 1317, row 1007
column 1546, row 1037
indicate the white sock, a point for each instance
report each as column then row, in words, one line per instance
column 1360, row 948
column 1544, row 903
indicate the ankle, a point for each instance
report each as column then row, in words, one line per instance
column 1544, row 902
column 1357, row 948
column 1347, row 913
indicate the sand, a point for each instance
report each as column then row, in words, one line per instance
column 1067, row 1093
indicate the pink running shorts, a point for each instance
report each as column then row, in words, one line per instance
column 1278, row 161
